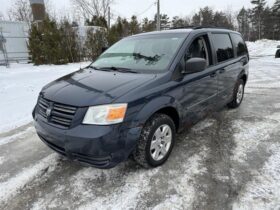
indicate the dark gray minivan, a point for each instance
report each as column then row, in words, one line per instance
column 139, row 93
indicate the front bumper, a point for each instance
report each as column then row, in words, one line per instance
column 99, row 146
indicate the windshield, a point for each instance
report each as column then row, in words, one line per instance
column 142, row 53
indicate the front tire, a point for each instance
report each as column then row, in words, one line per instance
column 156, row 141
column 238, row 94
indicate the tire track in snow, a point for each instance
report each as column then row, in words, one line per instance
column 16, row 136
column 184, row 185
column 263, row 192
column 127, row 185
column 12, row 187
column 249, row 134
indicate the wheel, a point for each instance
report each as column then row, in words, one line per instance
column 156, row 141
column 238, row 94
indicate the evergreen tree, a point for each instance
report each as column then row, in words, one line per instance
column 257, row 14
column 118, row 31
column 178, row 22
column 70, row 42
column 36, row 45
column 53, row 44
column 97, row 21
column 148, row 25
column 48, row 37
column 196, row 19
column 207, row 16
column 164, row 21
column 220, row 20
column 243, row 23
column 95, row 42
column 134, row 26
column 276, row 19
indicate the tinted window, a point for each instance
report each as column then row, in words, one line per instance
column 223, row 46
column 239, row 44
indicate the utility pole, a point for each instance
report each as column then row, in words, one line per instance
column 109, row 18
column 158, row 15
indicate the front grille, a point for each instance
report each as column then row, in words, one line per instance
column 59, row 114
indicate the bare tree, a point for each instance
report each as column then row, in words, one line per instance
column 90, row 8
column 20, row 11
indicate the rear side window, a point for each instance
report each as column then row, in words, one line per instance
column 239, row 44
column 223, row 46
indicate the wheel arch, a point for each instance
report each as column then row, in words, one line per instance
column 163, row 105
column 243, row 76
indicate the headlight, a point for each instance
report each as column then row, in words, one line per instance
column 105, row 114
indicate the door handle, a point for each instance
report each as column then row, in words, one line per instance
column 214, row 74
column 222, row 71
column 243, row 61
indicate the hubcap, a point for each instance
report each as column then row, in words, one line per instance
column 240, row 93
column 161, row 142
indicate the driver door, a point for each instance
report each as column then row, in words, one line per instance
column 199, row 89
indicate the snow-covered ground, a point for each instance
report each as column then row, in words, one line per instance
column 20, row 85
column 262, row 48
column 228, row 161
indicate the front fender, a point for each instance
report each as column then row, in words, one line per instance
column 154, row 106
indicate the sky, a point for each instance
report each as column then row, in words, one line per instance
column 144, row 8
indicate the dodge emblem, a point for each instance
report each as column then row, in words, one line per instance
column 48, row 112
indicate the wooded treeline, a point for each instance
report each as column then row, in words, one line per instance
column 57, row 41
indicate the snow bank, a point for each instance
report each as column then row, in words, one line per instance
column 20, row 85
column 262, row 48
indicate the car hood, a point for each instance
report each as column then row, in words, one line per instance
column 92, row 87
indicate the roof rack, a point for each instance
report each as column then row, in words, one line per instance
column 198, row 27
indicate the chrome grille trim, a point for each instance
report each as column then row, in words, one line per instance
column 61, row 114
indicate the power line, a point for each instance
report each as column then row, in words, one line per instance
column 146, row 10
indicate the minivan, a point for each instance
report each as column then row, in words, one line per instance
column 133, row 99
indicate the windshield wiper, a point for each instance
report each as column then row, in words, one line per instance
column 118, row 69
column 148, row 58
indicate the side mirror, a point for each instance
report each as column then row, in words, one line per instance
column 278, row 46
column 195, row 65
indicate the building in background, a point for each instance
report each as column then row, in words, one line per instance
column 38, row 10
column 13, row 42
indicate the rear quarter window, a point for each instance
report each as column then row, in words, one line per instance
column 239, row 44
column 223, row 47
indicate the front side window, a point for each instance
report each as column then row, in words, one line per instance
column 239, row 44
column 223, row 47
column 142, row 53
column 200, row 49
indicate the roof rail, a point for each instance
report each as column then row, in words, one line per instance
column 183, row 27
column 199, row 27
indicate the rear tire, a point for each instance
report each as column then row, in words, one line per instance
column 156, row 141
column 238, row 94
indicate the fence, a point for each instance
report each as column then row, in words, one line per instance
column 13, row 49
column 14, row 43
